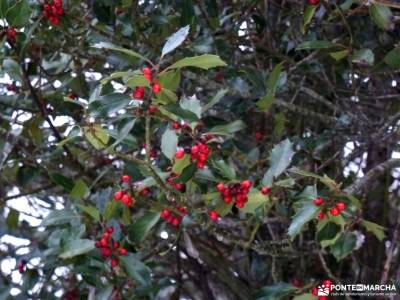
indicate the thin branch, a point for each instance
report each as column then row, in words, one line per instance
column 372, row 175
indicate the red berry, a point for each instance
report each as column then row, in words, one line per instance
column 194, row 150
column 126, row 178
column 118, row 195
column 126, row 199
column 327, row 282
column 103, row 242
column 313, row 2
column 138, row 93
column 175, row 221
column 259, row 136
column 146, row 70
column 340, row 206
column 156, row 88
column 106, row 251
column 246, row 184
column 110, row 230
column 176, row 125
column 318, row 201
column 165, row 213
column 227, row 199
column 123, row 251
column 297, row 283
column 334, row 211
column 200, row 165
column 58, row 3
column 179, row 154
column 321, row 215
column 239, row 204
column 179, row 186
column 265, row 190
column 314, row 291
column 220, row 187
column 114, row 262
column 115, row 245
column 153, row 109
column 145, row 192
column 213, row 215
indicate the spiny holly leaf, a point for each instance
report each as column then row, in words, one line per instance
column 308, row 15
column 306, row 210
column 175, row 40
column 77, row 247
column 169, row 143
column 255, row 200
column 280, row 158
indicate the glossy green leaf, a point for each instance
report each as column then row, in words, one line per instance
column 181, row 164
column 205, row 61
column 339, row 55
column 317, row 45
column 175, row 40
column 136, row 269
column 137, row 80
column 375, row 229
column 142, row 226
column 63, row 181
column 392, row 59
column 275, row 292
column 108, row 104
column 80, row 190
column 382, row 16
column 96, row 135
column 90, row 210
column 77, row 247
column 255, row 201
column 306, row 210
column 106, row 45
column 229, row 128
column 12, row 219
column 363, row 57
column 169, row 143
column 280, row 158
column 344, row 245
column 59, row 217
column 170, row 79
column 220, row 94
column 308, row 15
column 18, row 14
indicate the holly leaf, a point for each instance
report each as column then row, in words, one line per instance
column 77, row 247
column 382, row 16
column 306, row 210
column 96, row 135
column 205, row 61
column 18, row 15
column 280, row 158
column 138, row 231
column 375, row 229
column 169, row 143
column 344, row 245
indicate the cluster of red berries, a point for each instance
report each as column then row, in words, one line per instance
column 109, row 248
column 171, row 217
column 53, row 11
column 12, row 87
column 11, row 34
column 138, row 93
column 334, row 211
column 238, row 191
column 199, row 153
column 178, row 185
column 313, row 2
column 123, row 196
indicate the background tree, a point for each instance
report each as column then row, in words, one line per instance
column 197, row 149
